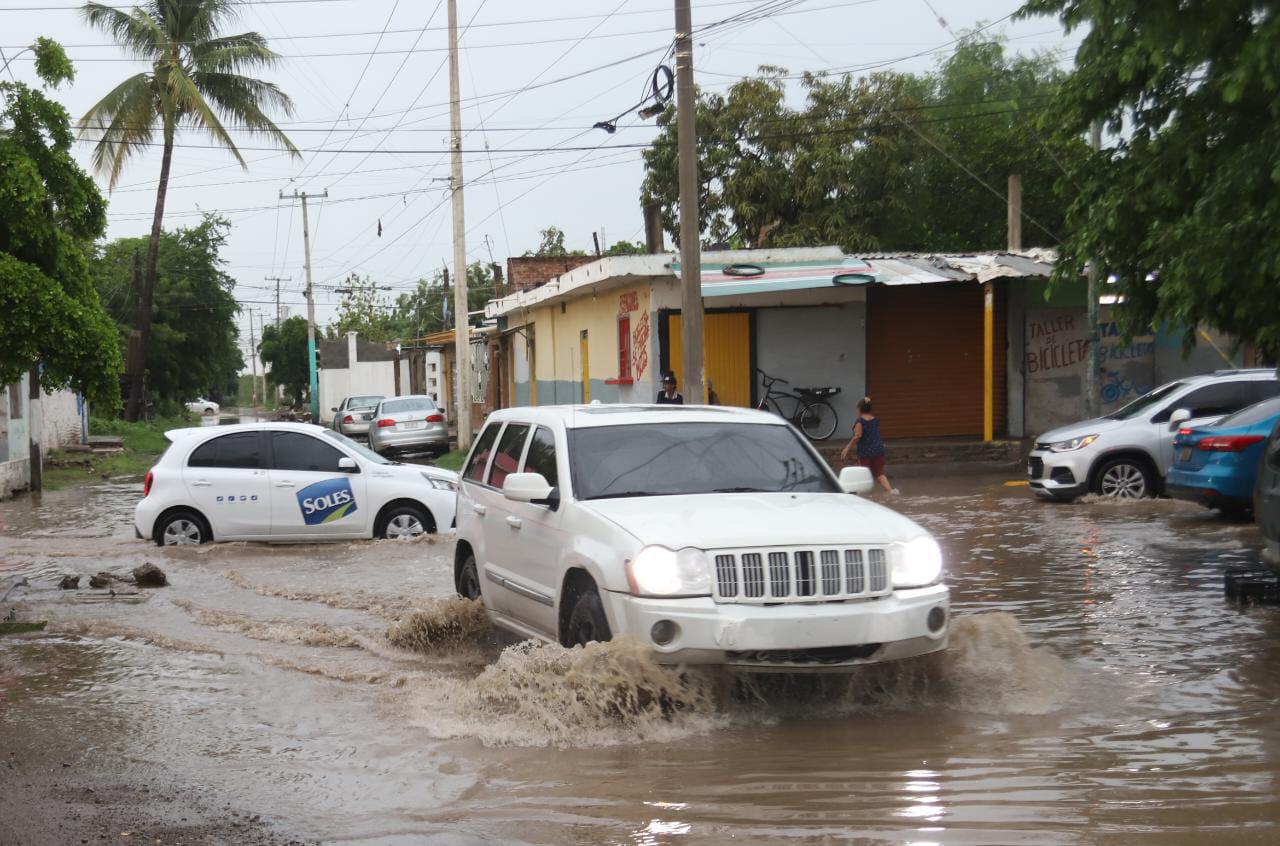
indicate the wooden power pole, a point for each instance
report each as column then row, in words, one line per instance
column 462, row 343
column 690, row 234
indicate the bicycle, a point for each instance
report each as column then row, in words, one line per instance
column 811, row 413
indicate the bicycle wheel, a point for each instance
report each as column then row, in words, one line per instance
column 818, row 421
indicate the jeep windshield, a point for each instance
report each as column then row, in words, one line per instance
column 1144, row 402
column 666, row 459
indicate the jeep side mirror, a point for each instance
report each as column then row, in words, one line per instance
column 1180, row 416
column 856, row 480
column 530, row 487
column 348, row 465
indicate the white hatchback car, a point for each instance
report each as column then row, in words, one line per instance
column 200, row 405
column 714, row 535
column 286, row 482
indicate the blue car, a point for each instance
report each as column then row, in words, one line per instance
column 1217, row 465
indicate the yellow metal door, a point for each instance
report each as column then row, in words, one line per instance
column 726, row 354
column 586, row 371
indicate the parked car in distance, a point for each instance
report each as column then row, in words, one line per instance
column 1217, row 465
column 408, row 424
column 1128, row 452
column 200, row 405
column 713, row 535
column 353, row 414
column 286, row 482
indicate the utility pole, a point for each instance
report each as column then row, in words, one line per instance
column 690, row 246
column 314, row 386
column 462, row 342
column 1092, row 395
column 278, row 280
column 253, row 361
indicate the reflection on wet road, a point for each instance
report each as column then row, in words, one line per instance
column 1098, row 689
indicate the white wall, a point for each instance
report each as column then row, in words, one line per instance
column 816, row 347
column 61, row 416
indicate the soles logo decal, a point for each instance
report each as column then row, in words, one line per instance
column 327, row 501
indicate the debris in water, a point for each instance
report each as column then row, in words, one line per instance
column 69, row 583
column 149, row 575
column 101, row 580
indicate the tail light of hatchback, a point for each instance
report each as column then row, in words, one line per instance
column 1184, row 432
column 1228, row 443
column 435, row 418
column 347, row 419
column 146, row 484
column 385, row 422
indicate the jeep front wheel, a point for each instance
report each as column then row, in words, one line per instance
column 587, row 621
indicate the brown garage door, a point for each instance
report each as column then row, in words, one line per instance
column 924, row 359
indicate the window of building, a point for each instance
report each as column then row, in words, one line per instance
column 624, row 347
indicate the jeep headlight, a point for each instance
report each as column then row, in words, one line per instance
column 441, row 484
column 1072, row 444
column 659, row 571
column 918, row 563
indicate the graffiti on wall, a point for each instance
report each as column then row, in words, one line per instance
column 640, row 346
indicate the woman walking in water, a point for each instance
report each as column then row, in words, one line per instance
column 866, row 437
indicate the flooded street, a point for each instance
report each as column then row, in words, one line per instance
column 1098, row 690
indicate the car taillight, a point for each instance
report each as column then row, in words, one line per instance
column 385, row 422
column 1184, row 431
column 146, row 484
column 1228, row 443
column 435, row 418
column 347, row 419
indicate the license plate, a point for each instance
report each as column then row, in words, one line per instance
column 1184, row 455
column 366, row 416
column 416, row 424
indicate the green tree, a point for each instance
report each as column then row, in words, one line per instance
column 196, row 349
column 195, row 80
column 552, row 244
column 625, row 248
column 430, row 307
column 886, row 161
column 284, row 352
column 50, row 214
column 363, row 310
column 1184, row 205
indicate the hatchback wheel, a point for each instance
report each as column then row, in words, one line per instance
column 403, row 523
column 181, row 528
column 1124, row 478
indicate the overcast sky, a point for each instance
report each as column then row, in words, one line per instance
column 372, row 118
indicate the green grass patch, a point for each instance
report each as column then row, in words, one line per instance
column 143, row 443
column 452, row 460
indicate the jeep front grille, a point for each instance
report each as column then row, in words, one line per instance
column 800, row 575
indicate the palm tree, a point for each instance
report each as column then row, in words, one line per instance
column 196, row 76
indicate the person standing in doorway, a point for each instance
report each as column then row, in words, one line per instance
column 870, row 446
column 669, row 395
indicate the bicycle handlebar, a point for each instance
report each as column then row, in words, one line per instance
column 769, row 380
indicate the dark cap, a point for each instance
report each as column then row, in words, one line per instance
column 668, row 378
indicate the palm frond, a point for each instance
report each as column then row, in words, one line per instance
column 242, row 98
column 190, row 104
column 122, row 122
column 138, row 33
column 233, row 58
column 200, row 20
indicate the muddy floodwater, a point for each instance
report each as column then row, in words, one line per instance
column 1098, row 689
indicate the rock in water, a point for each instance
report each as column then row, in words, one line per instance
column 69, row 583
column 101, row 580
column 149, row 575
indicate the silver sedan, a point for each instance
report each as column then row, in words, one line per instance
column 353, row 414
column 411, row 423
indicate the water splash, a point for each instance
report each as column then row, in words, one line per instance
column 349, row 600
column 442, row 625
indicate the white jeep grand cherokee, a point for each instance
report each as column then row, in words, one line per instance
column 714, row 535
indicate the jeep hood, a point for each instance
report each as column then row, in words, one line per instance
column 726, row 520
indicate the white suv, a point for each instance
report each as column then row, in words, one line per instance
column 1128, row 453
column 713, row 535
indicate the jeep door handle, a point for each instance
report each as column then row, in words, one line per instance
column 201, row 483
column 514, row 522
column 479, row 509
column 285, row 485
